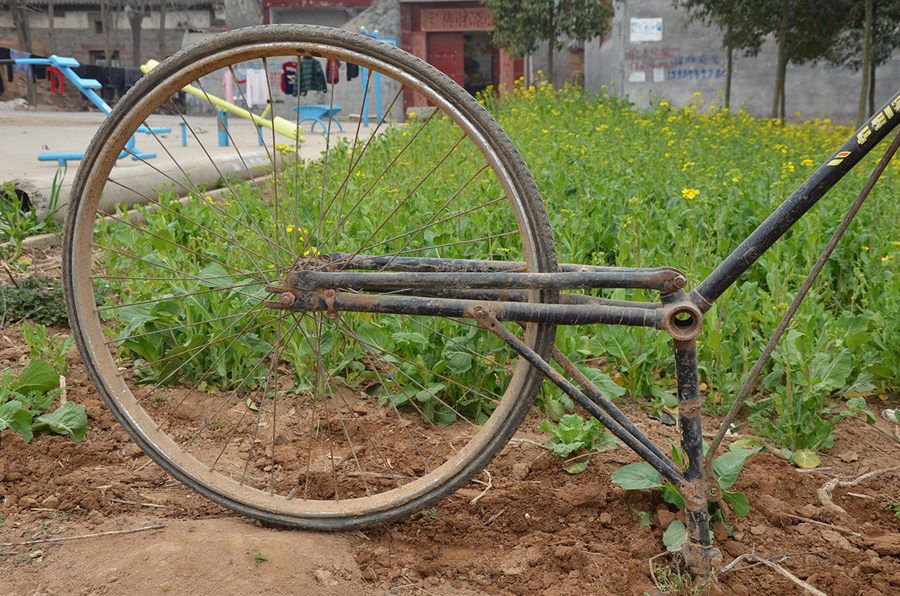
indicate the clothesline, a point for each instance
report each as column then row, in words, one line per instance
column 114, row 80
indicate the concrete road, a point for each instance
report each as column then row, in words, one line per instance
column 26, row 134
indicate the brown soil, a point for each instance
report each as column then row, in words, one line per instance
column 526, row 526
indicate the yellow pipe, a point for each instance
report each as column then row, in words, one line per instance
column 281, row 125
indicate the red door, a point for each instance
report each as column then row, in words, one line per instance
column 445, row 52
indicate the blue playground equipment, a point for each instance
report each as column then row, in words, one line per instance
column 87, row 86
column 364, row 72
column 317, row 113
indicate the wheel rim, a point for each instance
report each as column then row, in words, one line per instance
column 237, row 436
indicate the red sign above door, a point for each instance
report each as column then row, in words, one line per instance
column 457, row 19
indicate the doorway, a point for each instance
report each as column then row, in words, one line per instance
column 478, row 61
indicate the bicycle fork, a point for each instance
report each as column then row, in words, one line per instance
column 699, row 554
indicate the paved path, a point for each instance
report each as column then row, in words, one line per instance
column 25, row 134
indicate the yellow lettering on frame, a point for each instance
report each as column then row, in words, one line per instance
column 878, row 121
column 863, row 135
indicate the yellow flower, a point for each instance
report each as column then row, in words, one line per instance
column 690, row 193
column 886, row 258
column 807, row 162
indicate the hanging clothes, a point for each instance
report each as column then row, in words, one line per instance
column 39, row 70
column 26, row 68
column 257, row 87
column 312, row 77
column 289, row 78
column 4, row 55
column 332, row 71
column 132, row 76
column 57, row 80
column 352, row 71
column 115, row 82
column 228, row 86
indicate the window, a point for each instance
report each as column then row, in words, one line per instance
column 98, row 58
column 98, row 26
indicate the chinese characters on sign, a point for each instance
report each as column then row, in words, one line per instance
column 668, row 64
column 646, row 30
column 457, row 19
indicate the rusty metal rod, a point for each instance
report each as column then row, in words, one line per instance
column 534, row 312
column 662, row 280
column 664, row 465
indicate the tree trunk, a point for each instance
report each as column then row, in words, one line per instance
column 872, row 89
column 867, row 57
column 551, row 46
column 730, row 60
column 106, row 20
column 135, row 18
column 782, row 59
column 162, row 30
column 51, row 30
column 19, row 13
column 781, row 115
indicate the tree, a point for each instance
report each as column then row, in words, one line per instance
column 739, row 31
column 19, row 12
column 805, row 31
column 849, row 50
column 107, row 22
column 162, row 30
column 135, row 11
column 519, row 25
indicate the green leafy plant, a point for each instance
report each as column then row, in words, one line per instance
column 894, row 507
column 51, row 348
column 257, row 556
column 574, row 433
column 37, row 298
column 25, row 399
column 19, row 219
column 806, row 373
column 726, row 467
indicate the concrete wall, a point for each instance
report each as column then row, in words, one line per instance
column 74, row 34
column 689, row 58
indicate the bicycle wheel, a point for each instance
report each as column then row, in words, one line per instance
column 299, row 418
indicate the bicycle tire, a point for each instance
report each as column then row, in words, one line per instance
column 143, row 288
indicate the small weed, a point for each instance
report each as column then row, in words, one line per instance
column 674, row 582
column 572, row 434
column 726, row 467
column 52, row 348
column 257, row 556
column 431, row 513
column 889, row 506
column 37, row 298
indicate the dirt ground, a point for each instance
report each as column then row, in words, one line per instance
column 526, row 526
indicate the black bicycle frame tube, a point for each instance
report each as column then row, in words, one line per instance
column 636, row 441
column 793, row 208
column 698, row 550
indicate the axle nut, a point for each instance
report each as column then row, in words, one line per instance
column 288, row 299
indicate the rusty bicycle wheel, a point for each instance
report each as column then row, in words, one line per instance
column 293, row 417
